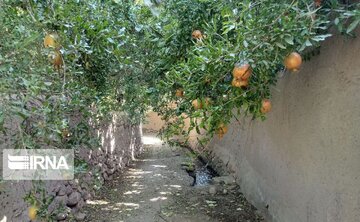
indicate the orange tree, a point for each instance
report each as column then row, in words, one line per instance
column 61, row 64
column 205, row 60
column 210, row 61
column 64, row 64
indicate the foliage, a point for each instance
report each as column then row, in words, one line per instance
column 128, row 56
column 39, row 200
column 259, row 33
column 51, row 106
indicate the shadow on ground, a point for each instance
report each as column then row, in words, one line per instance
column 154, row 188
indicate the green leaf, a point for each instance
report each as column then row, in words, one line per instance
column 319, row 38
column 28, row 41
column 303, row 46
column 352, row 26
column 111, row 40
column 246, row 44
column 289, row 40
column 280, row 45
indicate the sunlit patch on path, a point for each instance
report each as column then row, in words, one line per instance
column 155, row 188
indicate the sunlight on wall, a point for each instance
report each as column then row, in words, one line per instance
column 151, row 140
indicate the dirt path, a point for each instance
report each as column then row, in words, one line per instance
column 155, row 189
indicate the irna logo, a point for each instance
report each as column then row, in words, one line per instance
column 37, row 162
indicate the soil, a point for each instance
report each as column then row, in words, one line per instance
column 155, row 188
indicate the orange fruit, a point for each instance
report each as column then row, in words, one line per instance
column 239, row 83
column 58, row 61
column 293, row 61
column 222, row 130
column 50, row 40
column 179, row 93
column 196, row 104
column 207, row 102
column 32, row 212
column 265, row 106
column 242, row 72
column 247, row 74
column 196, row 34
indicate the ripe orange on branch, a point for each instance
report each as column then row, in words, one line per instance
column 265, row 106
column 196, row 103
column 221, row 130
column 239, row 83
column 179, row 93
column 50, row 40
column 207, row 102
column 293, row 61
column 242, row 72
column 32, row 212
column 196, row 34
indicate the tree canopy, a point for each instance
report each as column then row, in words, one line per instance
column 60, row 59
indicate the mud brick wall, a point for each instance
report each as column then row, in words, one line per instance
column 120, row 143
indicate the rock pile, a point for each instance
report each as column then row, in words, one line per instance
column 71, row 196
